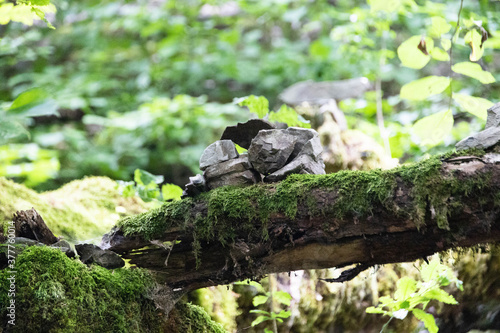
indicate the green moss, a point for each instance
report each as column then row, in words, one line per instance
column 245, row 211
column 189, row 318
column 80, row 210
column 58, row 294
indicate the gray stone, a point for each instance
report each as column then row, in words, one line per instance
column 493, row 119
column 482, row 140
column 243, row 133
column 90, row 253
column 270, row 150
column 195, row 186
column 303, row 164
column 302, row 136
column 65, row 247
column 217, row 152
column 321, row 92
column 237, row 172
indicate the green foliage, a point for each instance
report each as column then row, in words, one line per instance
column 410, row 294
column 25, row 11
column 146, row 187
column 260, row 106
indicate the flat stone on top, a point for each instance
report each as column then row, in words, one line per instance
column 243, row 133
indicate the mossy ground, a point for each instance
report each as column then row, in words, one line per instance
column 82, row 210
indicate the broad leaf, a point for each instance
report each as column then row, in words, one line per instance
column 282, row 297
column 282, row 314
column 289, row 116
column 171, row 192
column 372, row 309
column 434, row 128
column 427, row 319
column 439, row 26
column 445, row 43
column 11, row 129
column 473, row 70
column 440, row 295
column 431, row 270
column 473, row 38
column 475, row 105
column 411, row 55
column 259, row 320
column 405, row 287
column 142, row 177
column 439, row 54
column 256, row 104
column 259, row 299
column 422, row 88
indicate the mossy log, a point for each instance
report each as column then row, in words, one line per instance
column 317, row 221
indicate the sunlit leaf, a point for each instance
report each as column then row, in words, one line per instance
column 422, row 88
column 282, row 297
column 434, row 128
column 473, row 70
column 288, row 116
column 473, row 38
column 142, row 177
column 438, row 27
column 427, row 319
column 171, row 192
column 372, row 309
column 405, row 287
column 439, row 54
column 283, row 314
column 29, row 97
column 431, row 270
column 260, row 299
column 389, row 6
column 256, row 104
column 445, row 43
column 440, row 295
column 259, row 320
column 410, row 54
column 475, row 105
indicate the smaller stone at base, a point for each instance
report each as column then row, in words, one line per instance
column 90, row 253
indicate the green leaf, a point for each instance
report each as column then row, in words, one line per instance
column 422, row 88
column 282, row 314
column 473, row 38
column 389, row 6
column 405, row 287
column 434, row 128
column 438, row 27
column 445, row 43
column 473, row 70
column 29, row 97
column 440, row 295
column 10, row 129
column 439, row 54
column 282, row 297
column 259, row 299
column 46, row 108
column 372, row 309
column 142, row 177
column 40, row 2
column 288, row 116
column 171, row 192
column 476, row 105
column 427, row 319
column 259, row 320
column 410, row 54
column 430, row 271
column 256, row 104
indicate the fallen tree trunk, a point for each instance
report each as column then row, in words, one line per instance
column 317, row 221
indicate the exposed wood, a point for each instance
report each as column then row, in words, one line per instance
column 29, row 224
column 314, row 242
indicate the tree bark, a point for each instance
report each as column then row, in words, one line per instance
column 404, row 227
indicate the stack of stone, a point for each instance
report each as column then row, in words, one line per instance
column 273, row 154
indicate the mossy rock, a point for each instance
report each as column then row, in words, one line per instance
column 54, row 293
column 82, row 210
